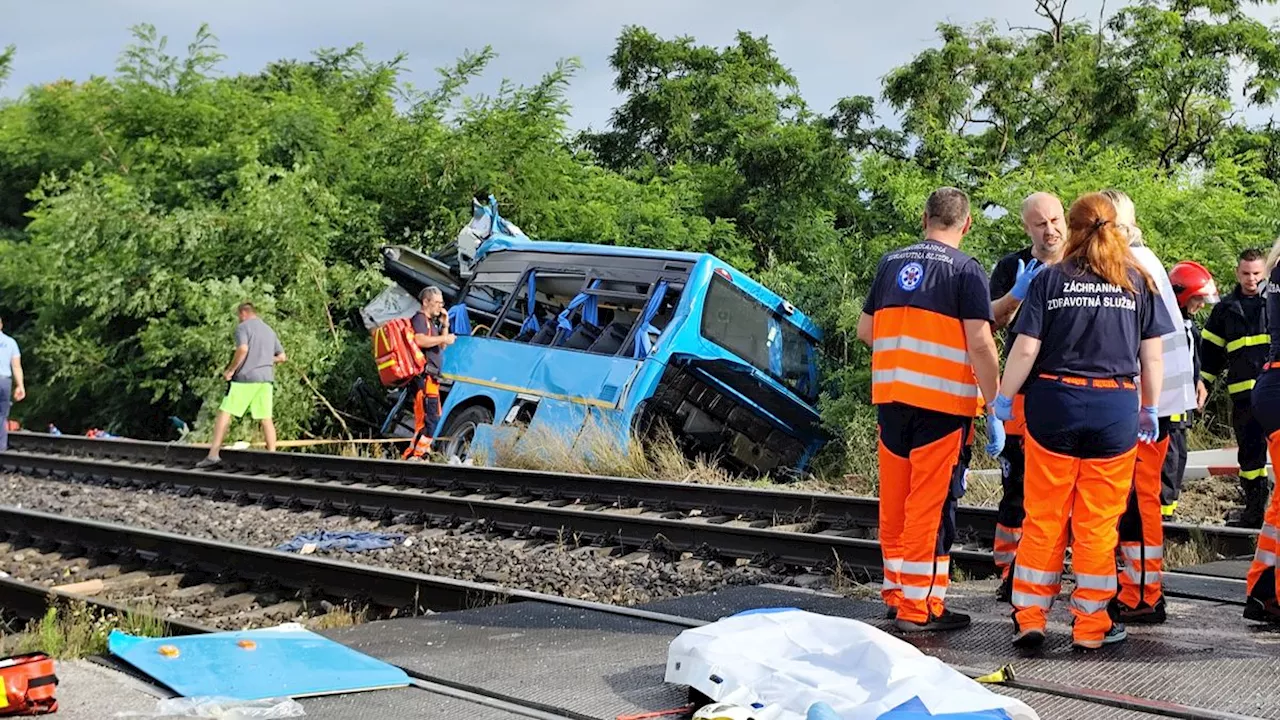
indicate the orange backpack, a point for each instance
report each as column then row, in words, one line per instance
column 397, row 355
column 27, row 684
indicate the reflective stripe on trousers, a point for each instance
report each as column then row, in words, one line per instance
column 913, row 495
column 1088, row 495
column 1142, row 528
column 1006, row 545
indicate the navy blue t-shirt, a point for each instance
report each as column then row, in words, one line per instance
column 931, row 276
column 1088, row 327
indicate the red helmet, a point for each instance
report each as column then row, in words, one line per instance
column 1191, row 279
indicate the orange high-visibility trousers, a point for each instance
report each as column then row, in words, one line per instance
column 426, row 413
column 1263, row 581
column 1142, row 528
column 1089, row 494
column 919, row 451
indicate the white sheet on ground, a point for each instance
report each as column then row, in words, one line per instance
column 790, row 659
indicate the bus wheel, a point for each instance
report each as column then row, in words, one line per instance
column 461, row 429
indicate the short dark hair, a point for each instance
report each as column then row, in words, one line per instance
column 1251, row 254
column 947, row 208
column 246, row 307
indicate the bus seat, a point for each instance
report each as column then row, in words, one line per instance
column 611, row 338
column 546, row 334
column 583, row 336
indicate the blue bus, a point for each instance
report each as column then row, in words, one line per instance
column 566, row 335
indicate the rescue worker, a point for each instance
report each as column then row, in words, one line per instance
column 13, row 386
column 1193, row 284
column 1263, row 582
column 431, row 333
column 1088, row 326
column 1141, row 597
column 1044, row 220
column 1234, row 347
column 927, row 318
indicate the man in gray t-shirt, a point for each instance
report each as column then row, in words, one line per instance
column 251, row 374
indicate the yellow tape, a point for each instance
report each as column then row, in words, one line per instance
column 593, row 402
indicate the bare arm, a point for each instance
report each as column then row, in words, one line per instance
column 429, row 341
column 1021, row 359
column 866, row 325
column 1151, row 355
column 983, row 355
column 242, row 352
column 279, row 358
column 19, row 382
column 1004, row 310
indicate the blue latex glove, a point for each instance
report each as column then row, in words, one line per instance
column 1027, row 271
column 1003, row 407
column 1148, row 424
column 821, row 711
column 995, row 436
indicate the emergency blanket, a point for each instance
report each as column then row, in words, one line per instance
column 352, row 541
column 783, row 661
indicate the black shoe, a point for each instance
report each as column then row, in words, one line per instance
column 208, row 463
column 945, row 622
column 1004, row 593
column 1144, row 615
column 1116, row 634
column 891, row 613
column 1029, row 638
column 1243, row 518
column 1258, row 611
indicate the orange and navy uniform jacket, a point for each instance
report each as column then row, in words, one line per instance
column 1088, row 327
column 919, row 299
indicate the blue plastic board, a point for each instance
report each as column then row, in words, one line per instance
column 915, row 710
column 255, row 664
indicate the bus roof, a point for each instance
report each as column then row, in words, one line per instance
column 498, row 243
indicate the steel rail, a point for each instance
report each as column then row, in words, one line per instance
column 836, row 512
column 549, row 521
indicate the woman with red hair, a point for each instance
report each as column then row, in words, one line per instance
column 1090, row 325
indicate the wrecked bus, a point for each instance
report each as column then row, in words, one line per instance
column 569, row 335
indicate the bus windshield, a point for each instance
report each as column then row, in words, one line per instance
column 744, row 326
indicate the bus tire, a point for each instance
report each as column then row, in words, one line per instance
column 461, row 428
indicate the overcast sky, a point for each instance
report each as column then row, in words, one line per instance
column 835, row 48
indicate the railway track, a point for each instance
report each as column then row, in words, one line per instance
column 402, row 591
column 830, row 515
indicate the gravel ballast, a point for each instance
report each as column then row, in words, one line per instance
column 557, row 568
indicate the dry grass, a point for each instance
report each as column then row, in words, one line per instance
column 596, row 451
column 75, row 630
column 343, row 616
column 1195, row 552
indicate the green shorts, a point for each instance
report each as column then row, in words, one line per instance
column 254, row 397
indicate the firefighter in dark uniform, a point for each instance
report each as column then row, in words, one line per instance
column 1233, row 348
column 1263, row 582
column 1044, row 220
column 927, row 319
column 1088, row 326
